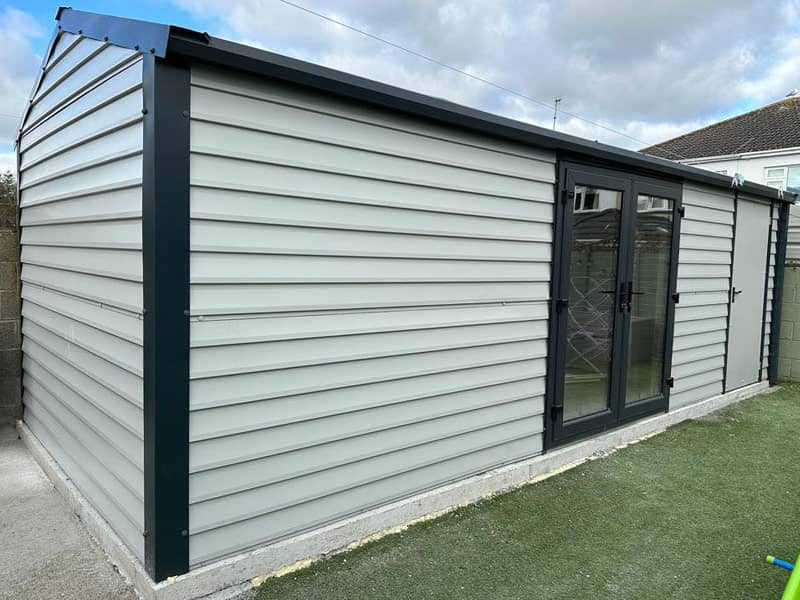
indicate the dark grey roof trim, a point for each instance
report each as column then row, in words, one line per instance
column 128, row 33
column 166, row 40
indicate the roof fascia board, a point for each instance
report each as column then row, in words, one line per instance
column 262, row 62
column 138, row 35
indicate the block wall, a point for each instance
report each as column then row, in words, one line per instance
column 789, row 354
column 10, row 403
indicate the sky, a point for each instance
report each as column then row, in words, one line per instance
column 646, row 70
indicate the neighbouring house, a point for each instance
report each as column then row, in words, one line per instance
column 762, row 145
column 271, row 308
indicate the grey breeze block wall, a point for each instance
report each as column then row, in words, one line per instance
column 789, row 354
column 81, row 202
column 369, row 308
column 789, row 360
column 10, row 406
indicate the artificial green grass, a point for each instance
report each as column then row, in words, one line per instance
column 689, row 513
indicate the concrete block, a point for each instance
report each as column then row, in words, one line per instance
column 8, row 276
column 8, row 217
column 9, row 305
column 10, row 390
column 791, row 277
column 9, row 363
column 787, row 329
column 790, row 349
column 784, row 369
column 794, row 375
column 9, row 334
column 8, row 246
column 790, row 312
column 10, row 413
column 789, row 293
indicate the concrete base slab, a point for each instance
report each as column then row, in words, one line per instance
column 237, row 575
column 45, row 551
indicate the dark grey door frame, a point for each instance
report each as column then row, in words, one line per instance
column 630, row 184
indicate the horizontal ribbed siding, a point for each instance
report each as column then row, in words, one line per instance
column 369, row 308
column 80, row 183
column 704, row 269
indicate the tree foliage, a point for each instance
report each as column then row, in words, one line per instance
column 8, row 188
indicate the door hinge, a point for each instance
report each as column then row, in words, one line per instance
column 682, row 211
column 567, row 195
column 676, row 297
column 561, row 304
column 671, row 381
column 554, row 412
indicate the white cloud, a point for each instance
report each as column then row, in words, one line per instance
column 8, row 162
column 19, row 66
column 647, row 69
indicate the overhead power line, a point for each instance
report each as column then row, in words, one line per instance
column 468, row 74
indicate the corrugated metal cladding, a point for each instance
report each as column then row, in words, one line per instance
column 369, row 308
column 704, row 271
column 81, row 201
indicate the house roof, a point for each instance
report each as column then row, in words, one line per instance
column 770, row 127
column 168, row 41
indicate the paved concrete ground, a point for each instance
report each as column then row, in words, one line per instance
column 45, row 552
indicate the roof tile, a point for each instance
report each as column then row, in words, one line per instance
column 771, row 127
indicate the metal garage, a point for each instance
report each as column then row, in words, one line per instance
column 262, row 297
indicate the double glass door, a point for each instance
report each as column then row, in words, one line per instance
column 616, row 246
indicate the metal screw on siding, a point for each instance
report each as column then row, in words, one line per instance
column 184, row 533
column 136, row 47
column 152, row 50
column 186, row 113
column 144, row 111
column 105, row 38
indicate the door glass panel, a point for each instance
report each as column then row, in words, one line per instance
column 652, row 247
column 591, row 308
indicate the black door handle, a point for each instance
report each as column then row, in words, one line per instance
column 735, row 293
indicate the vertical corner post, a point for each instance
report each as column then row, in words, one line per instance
column 165, row 250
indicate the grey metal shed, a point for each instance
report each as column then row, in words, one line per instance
column 270, row 308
